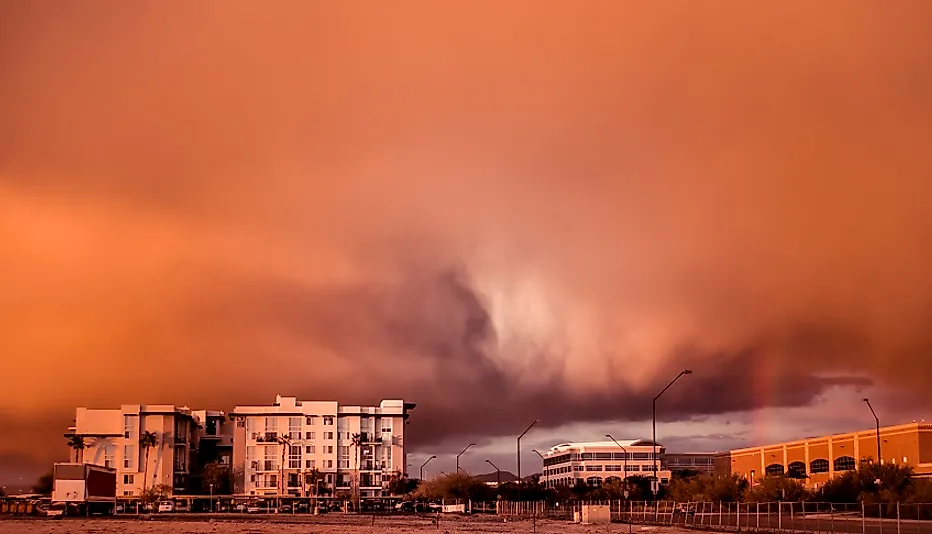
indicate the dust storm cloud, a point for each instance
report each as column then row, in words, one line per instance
column 500, row 211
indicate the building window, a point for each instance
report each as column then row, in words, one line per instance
column 271, row 424
column 593, row 468
column 594, row 481
column 310, row 449
column 267, row 481
column 128, row 479
column 129, row 456
column 387, row 425
column 819, row 465
column 294, row 457
column 328, row 420
column 310, row 464
column 844, row 463
column 271, row 459
column 310, row 420
column 309, row 435
column 130, row 424
column 796, row 470
column 180, row 463
column 294, row 427
column 773, row 470
column 108, row 456
column 251, row 452
column 328, row 435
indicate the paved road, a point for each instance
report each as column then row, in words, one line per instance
column 847, row 524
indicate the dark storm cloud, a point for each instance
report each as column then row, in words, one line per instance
column 542, row 213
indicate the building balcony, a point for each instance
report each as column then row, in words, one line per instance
column 371, row 438
column 265, row 437
column 264, row 465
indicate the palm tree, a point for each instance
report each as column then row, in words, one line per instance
column 285, row 441
column 316, row 476
column 77, row 444
column 146, row 441
column 357, row 441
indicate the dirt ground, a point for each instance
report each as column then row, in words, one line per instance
column 314, row 525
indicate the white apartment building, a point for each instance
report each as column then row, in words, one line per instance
column 597, row 462
column 319, row 439
column 111, row 439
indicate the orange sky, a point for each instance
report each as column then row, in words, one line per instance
column 546, row 206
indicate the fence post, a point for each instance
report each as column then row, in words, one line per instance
column 863, row 519
column 897, row 517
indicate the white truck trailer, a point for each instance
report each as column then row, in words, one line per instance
column 84, row 489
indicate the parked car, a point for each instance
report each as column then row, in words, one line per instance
column 166, row 506
column 253, row 508
column 404, row 506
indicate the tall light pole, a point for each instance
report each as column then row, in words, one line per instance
column 425, row 463
column 542, row 462
column 625, row 478
column 654, row 427
column 519, row 445
column 498, row 473
column 877, row 421
column 460, row 454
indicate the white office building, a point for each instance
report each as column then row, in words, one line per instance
column 307, row 448
column 600, row 461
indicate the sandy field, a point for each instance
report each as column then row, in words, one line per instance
column 353, row 525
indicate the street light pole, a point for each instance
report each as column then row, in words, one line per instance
column 625, row 478
column 422, row 467
column 498, row 473
column 460, row 454
column 211, row 497
column 877, row 422
column 654, row 427
column 519, row 445
column 542, row 463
